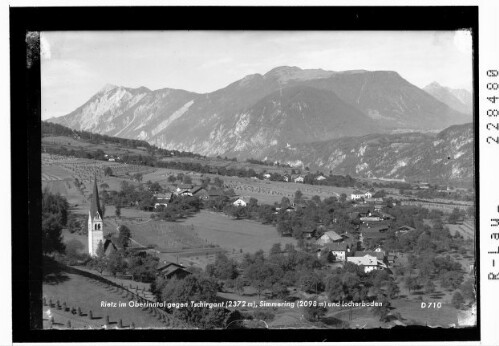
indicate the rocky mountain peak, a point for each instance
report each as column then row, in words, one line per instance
column 108, row 87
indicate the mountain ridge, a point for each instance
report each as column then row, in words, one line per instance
column 234, row 120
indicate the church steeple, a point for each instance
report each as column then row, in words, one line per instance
column 94, row 203
column 95, row 222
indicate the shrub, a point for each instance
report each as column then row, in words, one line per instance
column 264, row 314
column 457, row 300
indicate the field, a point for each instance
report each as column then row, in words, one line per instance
column 245, row 235
column 90, row 294
column 198, row 238
column 71, row 143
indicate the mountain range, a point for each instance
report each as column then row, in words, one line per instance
column 447, row 155
column 259, row 115
column 459, row 99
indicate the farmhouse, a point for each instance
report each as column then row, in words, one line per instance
column 368, row 194
column 380, row 255
column 309, row 233
column 329, row 237
column 373, row 200
column 200, row 192
column 162, row 200
column 183, row 187
column 286, row 177
column 339, row 250
column 241, row 202
column 320, row 178
column 356, row 195
column 371, row 218
column 266, row 176
column 367, row 262
column 404, row 229
column 390, row 259
column 171, row 270
column 299, row 179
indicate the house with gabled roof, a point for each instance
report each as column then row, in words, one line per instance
column 183, row 187
column 339, row 250
column 170, row 270
column 162, row 199
column 299, row 179
column 329, row 237
column 241, row 201
column 405, row 229
column 367, row 262
column 380, row 256
column 356, row 195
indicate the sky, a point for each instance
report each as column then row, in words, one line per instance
column 76, row 65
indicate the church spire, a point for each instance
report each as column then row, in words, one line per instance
column 94, row 203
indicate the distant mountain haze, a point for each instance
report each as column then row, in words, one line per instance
column 457, row 99
column 261, row 114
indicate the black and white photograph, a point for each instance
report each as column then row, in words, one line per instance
column 254, row 180
column 257, row 179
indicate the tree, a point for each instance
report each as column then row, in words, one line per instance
column 316, row 199
column 187, row 179
column 108, row 171
column 99, row 262
column 285, row 202
column 451, row 280
column 55, row 204
column 137, row 177
column 74, row 225
column 468, row 290
column 117, row 211
column 382, row 309
column 171, row 178
column 124, row 236
column 343, row 197
column 334, row 288
column 218, row 182
column 429, row 287
column 457, row 300
column 51, row 234
column 470, row 212
column 104, row 186
column 115, row 263
column 193, row 288
column 239, row 285
column 314, row 313
column 223, row 268
column 74, row 248
column 411, row 283
column 454, row 216
column 275, row 249
column 298, row 196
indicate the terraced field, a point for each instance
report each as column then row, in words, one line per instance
column 87, row 294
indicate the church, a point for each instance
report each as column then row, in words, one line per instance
column 95, row 223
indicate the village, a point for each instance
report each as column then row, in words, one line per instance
column 179, row 224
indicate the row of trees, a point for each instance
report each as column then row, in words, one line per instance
column 55, row 210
